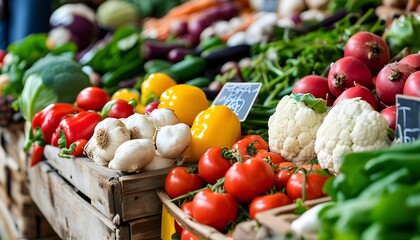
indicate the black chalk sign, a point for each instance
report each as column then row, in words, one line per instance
column 408, row 118
column 239, row 97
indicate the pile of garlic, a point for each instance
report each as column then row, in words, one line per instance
column 139, row 142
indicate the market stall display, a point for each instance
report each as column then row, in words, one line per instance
column 144, row 117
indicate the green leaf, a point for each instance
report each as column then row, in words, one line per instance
column 35, row 96
column 317, row 104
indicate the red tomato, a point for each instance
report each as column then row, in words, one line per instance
column 178, row 228
column 180, row 181
column 92, row 98
column 285, row 170
column 314, row 185
column 266, row 202
column 212, row 165
column 248, row 179
column 186, row 235
column 260, row 143
column 118, row 108
column 187, row 208
column 275, row 158
column 249, row 145
column 214, row 209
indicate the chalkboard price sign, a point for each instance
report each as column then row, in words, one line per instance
column 239, row 97
column 408, row 119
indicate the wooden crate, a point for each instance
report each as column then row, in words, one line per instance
column 27, row 220
column 105, row 204
column 203, row 232
column 274, row 223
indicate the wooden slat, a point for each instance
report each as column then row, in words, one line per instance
column 138, row 191
column 91, row 179
column 69, row 214
column 278, row 220
column 8, row 229
column 145, row 228
column 203, row 232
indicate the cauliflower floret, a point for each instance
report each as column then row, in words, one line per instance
column 292, row 130
column 350, row 126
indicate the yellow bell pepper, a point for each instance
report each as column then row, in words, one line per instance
column 216, row 126
column 154, row 85
column 185, row 100
column 129, row 95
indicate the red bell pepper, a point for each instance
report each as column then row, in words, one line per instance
column 37, row 153
column 49, row 118
column 44, row 125
column 76, row 127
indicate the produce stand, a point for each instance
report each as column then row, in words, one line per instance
column 19, row 214
column 79, row 197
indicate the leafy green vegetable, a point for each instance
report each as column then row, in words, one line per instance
column 123, row 47
column 376, row 196
column 317, row 104
column 24, row 53
column 404, row 32
column 352, row 5
column 51, row 79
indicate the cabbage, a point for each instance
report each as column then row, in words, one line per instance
column 51, row 79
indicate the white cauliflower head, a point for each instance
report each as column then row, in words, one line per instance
column 292, row 130
column 350, row 126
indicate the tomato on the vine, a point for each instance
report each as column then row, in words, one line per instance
column 274, row 158
column 249, row 145
column 248, row 179
column 314, row 185
column 214, row 209
column 260, row 143
column 284, row 171
column 265, row 202
column 213, row 165
column 181, row 180
column 92, row 98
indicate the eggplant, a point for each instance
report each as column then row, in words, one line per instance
column 158, row 50
column 226, row 54
column 178, row 54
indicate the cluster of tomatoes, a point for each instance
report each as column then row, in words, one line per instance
column 243, row 181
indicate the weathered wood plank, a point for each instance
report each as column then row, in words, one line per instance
column 69, row 214
column 8, row 229
column 145, row 228
column 91, row 179
column 138, row 193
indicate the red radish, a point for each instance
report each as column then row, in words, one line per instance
column 389, row 113
column 316, row 85
column 369, row 48
column 412, row 59
column 390, row 81
column 358, row 91
column 374, row 80
column 412, row 85
column 347, row 71
column 150, row 107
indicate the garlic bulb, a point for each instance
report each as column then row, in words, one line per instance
column 173, row 140
column 132, row 155
column 109, row 134
column 163, row 117
column 140, row 127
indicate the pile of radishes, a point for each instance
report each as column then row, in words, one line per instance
column 139, row 142
column 365, row 71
